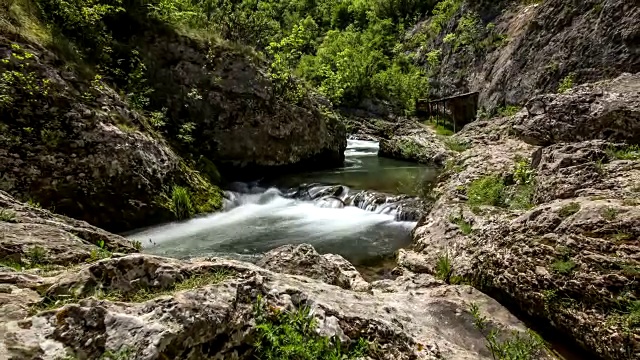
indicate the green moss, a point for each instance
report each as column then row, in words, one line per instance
column 569, row 210
column 208, row 169
column 563, row 267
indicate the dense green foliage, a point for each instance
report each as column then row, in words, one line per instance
column 345, row 49
column 285, row 335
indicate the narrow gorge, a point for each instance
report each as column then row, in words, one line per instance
column 291, row 179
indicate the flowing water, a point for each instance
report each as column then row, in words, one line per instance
column 341, row 219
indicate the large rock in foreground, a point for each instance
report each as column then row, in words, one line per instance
column 414, row 317
column 36, row 237
column 305, row 260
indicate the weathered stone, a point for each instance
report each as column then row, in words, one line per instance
column 546, row 42
column 82, row 150
column 571, row 260
column 240, row 121
column 304, row 260
column 62, row 240
column 417, row 319
column 415, row 142
column 608, row 110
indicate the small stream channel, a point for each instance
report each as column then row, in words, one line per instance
column 355, row 211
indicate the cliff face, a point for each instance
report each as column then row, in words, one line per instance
column 512, row 52
column 547, row 218
column 75, row 141
column 240, row 121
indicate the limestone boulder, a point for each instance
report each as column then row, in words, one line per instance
column 607, row 110
column 304, row 260
column 33, row 236
column 415, row 318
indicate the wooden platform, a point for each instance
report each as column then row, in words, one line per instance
column 461, row 109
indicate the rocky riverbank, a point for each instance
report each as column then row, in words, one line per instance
column 147, row 307
column 542, row 211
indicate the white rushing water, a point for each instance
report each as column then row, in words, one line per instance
column 257, row 220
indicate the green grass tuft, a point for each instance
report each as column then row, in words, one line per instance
column 488, row 190
column 631, row 152
column 609, row 213
column 567, row 83
column 444, row 267
column 456, row 145
column 37, row 255
column 140, row 295
column 181, row 202
column 509, row 110
column 465, row 227
column 564, row 267
column 517, row 346
column 291, row 335
column 7, row 215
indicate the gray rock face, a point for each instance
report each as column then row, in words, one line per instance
column 304, row 260
column 413, row 317
column 608, row 110
column 64, row 240
column 572, row 260
column 79, row 148
column 239, row 119
column 545, row 42
column 415, row 142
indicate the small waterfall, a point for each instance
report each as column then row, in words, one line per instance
column 402, row 207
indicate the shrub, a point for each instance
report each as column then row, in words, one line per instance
column 517, row 346
column 286, row 335
column 563, row 267
column 488, row 190
column 7, row 215
column 567, row 83
column 181, row 202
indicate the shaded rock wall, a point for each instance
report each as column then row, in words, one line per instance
column 544, row 43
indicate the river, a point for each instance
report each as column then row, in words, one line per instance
column 264, row 215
